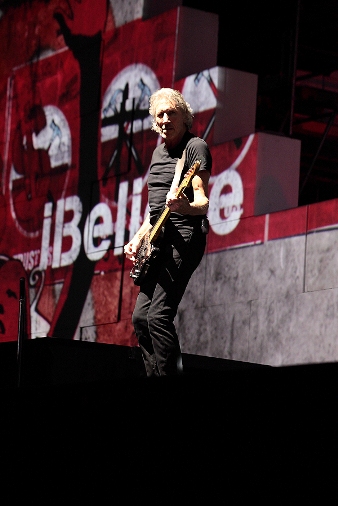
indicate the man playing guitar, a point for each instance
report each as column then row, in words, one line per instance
column 181, row 161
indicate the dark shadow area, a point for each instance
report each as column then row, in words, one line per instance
column 292, row 46
column 222, row 432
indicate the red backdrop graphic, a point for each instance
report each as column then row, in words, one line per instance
column 11, row 271
column 42, row 159
column 75, row 149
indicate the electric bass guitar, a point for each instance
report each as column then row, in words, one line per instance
column 149, row 248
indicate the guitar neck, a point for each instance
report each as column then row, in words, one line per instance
column 156, row 230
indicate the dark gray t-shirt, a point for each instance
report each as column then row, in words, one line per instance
column 162, row 171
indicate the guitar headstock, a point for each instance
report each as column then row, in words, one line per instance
column 190, row 174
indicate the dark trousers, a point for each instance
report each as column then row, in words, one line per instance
column 156, row 306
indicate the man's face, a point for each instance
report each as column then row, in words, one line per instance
column 171, row 122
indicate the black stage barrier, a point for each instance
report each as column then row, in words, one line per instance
column 54, row 361
column 86, row 426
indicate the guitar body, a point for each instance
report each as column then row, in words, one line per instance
column 148, row 249
column 145, row 256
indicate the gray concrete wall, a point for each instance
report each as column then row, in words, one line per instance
column 275, row 303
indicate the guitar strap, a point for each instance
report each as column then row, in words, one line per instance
column 178, row 171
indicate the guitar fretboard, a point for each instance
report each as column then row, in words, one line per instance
column 156, row 230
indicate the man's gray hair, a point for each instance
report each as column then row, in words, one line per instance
column 177, row 99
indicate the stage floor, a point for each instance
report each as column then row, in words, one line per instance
column 85, row 419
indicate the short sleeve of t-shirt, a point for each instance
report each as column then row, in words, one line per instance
column 162, row 170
